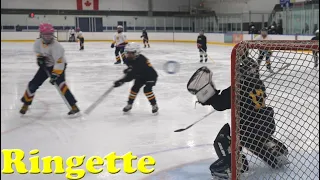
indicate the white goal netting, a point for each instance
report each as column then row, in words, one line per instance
column 292, row 90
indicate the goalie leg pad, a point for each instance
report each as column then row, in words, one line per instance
column 222, row 142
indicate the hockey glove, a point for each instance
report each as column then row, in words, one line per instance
column 118, row 83
column 53, row 78
column 199, row 46
column 128, row 70
column 210, row 100
column 41, row 61
column 112, row 45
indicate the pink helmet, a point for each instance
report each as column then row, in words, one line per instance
column 78, row 29
column 46, row 32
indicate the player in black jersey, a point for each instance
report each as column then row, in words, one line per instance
column 140, row 70
column 145, row 38
column 316, row 53
column 256, row 125
column 202, row 46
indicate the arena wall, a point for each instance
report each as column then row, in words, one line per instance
column 118, row 5
column 213, row 38
column 241, row 6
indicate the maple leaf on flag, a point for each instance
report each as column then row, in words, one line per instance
column 87, row 3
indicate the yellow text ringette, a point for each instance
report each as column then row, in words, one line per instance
column 92, row 164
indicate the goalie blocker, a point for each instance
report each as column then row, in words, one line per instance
column 257, row 124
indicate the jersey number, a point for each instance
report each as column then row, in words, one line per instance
column 258, row 98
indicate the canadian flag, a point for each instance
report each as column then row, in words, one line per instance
column 87, row 4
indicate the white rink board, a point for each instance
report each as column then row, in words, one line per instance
column 153, row 36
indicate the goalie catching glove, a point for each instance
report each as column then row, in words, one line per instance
column 201, row 85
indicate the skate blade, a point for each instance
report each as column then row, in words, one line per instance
column 76, row 115
column 156, row 113
column 220, row 176
column 126, row 113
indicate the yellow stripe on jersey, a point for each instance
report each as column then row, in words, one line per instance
column 148, row 63
column 57, row 71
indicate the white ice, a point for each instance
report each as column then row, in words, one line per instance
column 91, row 72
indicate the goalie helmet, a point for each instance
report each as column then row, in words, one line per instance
column 201, row 85
column 46, row 32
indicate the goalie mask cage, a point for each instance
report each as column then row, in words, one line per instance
column 292, row 90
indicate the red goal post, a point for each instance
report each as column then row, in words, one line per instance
column 293, row 91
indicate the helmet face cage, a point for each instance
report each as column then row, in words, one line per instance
column 132, row 50
column 47, row 37
column 119, row 28
column 249, row 67
column 46, row 32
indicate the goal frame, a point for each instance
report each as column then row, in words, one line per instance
column 285, row 45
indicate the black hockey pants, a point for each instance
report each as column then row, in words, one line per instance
column 38, row 80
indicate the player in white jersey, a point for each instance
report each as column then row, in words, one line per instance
column 51, row 61
column 81, row 38
column 119, row 41
column 72, row 37
column 262, row 37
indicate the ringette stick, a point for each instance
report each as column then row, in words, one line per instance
column 98, row 101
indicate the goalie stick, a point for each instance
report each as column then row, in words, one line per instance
column 204, row 117
column 183, row 129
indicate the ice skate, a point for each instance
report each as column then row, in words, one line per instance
column 74, row 110
column 117, row 62
column 155, row 108
column 24, row 109
column 269, row 68
column 281, row 155
column 221, row 168
column 127, row 108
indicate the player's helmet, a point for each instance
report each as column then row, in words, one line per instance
column 46, row 32
column 132, row 48
column 119, row 28
column 201, row 32
column 317, row 32
column 264, row 32
column 249, row 68
column 78, row 29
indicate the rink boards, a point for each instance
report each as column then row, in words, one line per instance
column 212, row 38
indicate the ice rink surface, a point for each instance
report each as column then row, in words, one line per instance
column 184, row 155
column 89, row 74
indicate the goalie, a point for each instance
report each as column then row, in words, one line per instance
column 256, row 119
